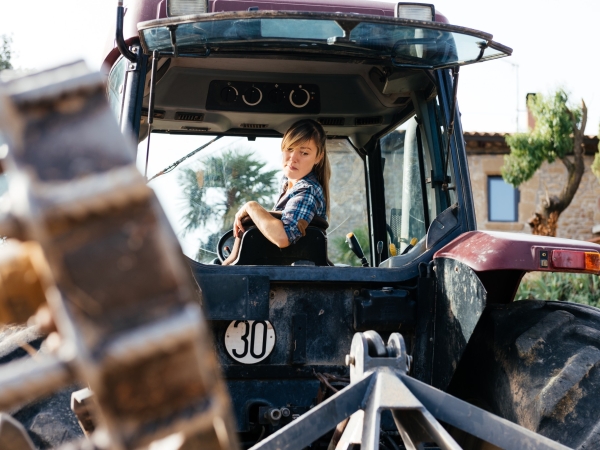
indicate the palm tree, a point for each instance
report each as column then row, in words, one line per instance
column 239, row 177
column 6, row 52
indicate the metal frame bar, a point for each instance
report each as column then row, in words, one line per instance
column 377, row 212
column 238, row 15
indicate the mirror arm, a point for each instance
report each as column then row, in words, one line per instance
column 121, row 45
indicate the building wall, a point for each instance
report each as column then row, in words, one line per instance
column 575, row 222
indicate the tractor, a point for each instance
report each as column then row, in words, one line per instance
column 392, row 324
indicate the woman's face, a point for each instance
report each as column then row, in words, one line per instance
column 298, row 161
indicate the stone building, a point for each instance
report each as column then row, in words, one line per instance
column 485, row 153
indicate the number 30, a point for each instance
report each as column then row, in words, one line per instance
column 251, row 330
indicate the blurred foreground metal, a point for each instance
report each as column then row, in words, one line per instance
column 105, row 261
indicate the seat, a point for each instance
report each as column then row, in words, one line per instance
column 255, row 249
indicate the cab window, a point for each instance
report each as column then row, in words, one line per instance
column 202, row 194
column 115, row 87
column 407, row 199
column 413, row 161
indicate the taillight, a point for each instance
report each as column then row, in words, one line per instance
column 592, row 261
column 576, row 260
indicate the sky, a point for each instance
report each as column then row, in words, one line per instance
column 554, row 46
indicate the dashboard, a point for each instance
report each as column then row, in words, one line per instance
column 247, row 96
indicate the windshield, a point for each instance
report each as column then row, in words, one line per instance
column 428, row 45
column 202, row 194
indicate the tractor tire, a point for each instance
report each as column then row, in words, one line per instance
column 537, row 364
column 49, row 421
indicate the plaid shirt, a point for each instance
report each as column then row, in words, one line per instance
column 303, row 201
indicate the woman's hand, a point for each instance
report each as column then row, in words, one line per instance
column 238, row 229
column 269, row 226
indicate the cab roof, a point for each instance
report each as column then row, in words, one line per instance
column 145, row 10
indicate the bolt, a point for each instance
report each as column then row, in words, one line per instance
column 273, row 415
column 285, row 412
column 430, row 339
column 350, row 360
column 356, row 293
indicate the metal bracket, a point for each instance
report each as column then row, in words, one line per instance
column 380, row 381
column 134, row 66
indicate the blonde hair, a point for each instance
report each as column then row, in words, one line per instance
column 310, row 130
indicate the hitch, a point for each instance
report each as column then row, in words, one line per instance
column 379, row 381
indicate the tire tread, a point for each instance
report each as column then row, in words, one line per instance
column 537, row 364
column 535, row 336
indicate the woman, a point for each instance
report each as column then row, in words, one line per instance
column 305, row 189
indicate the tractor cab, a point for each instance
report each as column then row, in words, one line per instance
column 223, row 87
column 209, row 89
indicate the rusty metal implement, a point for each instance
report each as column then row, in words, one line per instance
column 118, row 290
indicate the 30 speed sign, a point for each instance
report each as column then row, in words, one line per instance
column 249, row 341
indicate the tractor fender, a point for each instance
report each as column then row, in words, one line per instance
column 486, row 251
column 501, row 259
column 477, row 269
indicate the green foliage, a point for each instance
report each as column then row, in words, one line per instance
column 5, row 52
column 237, row 175
column 572, row 287
column 219, row 187
column 551, row 138
column 343, row 253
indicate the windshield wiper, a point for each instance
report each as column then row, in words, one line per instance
column 179, row 161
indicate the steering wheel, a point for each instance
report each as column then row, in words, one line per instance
column 225, row 244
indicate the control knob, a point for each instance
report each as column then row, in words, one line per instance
column 229, row 94
column 299, row 98
column 252, row 96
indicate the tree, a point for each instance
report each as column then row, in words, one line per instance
column 558, row 134
column 5, row 52
column 341, row 251
column 219, row 187
column 596, row 163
